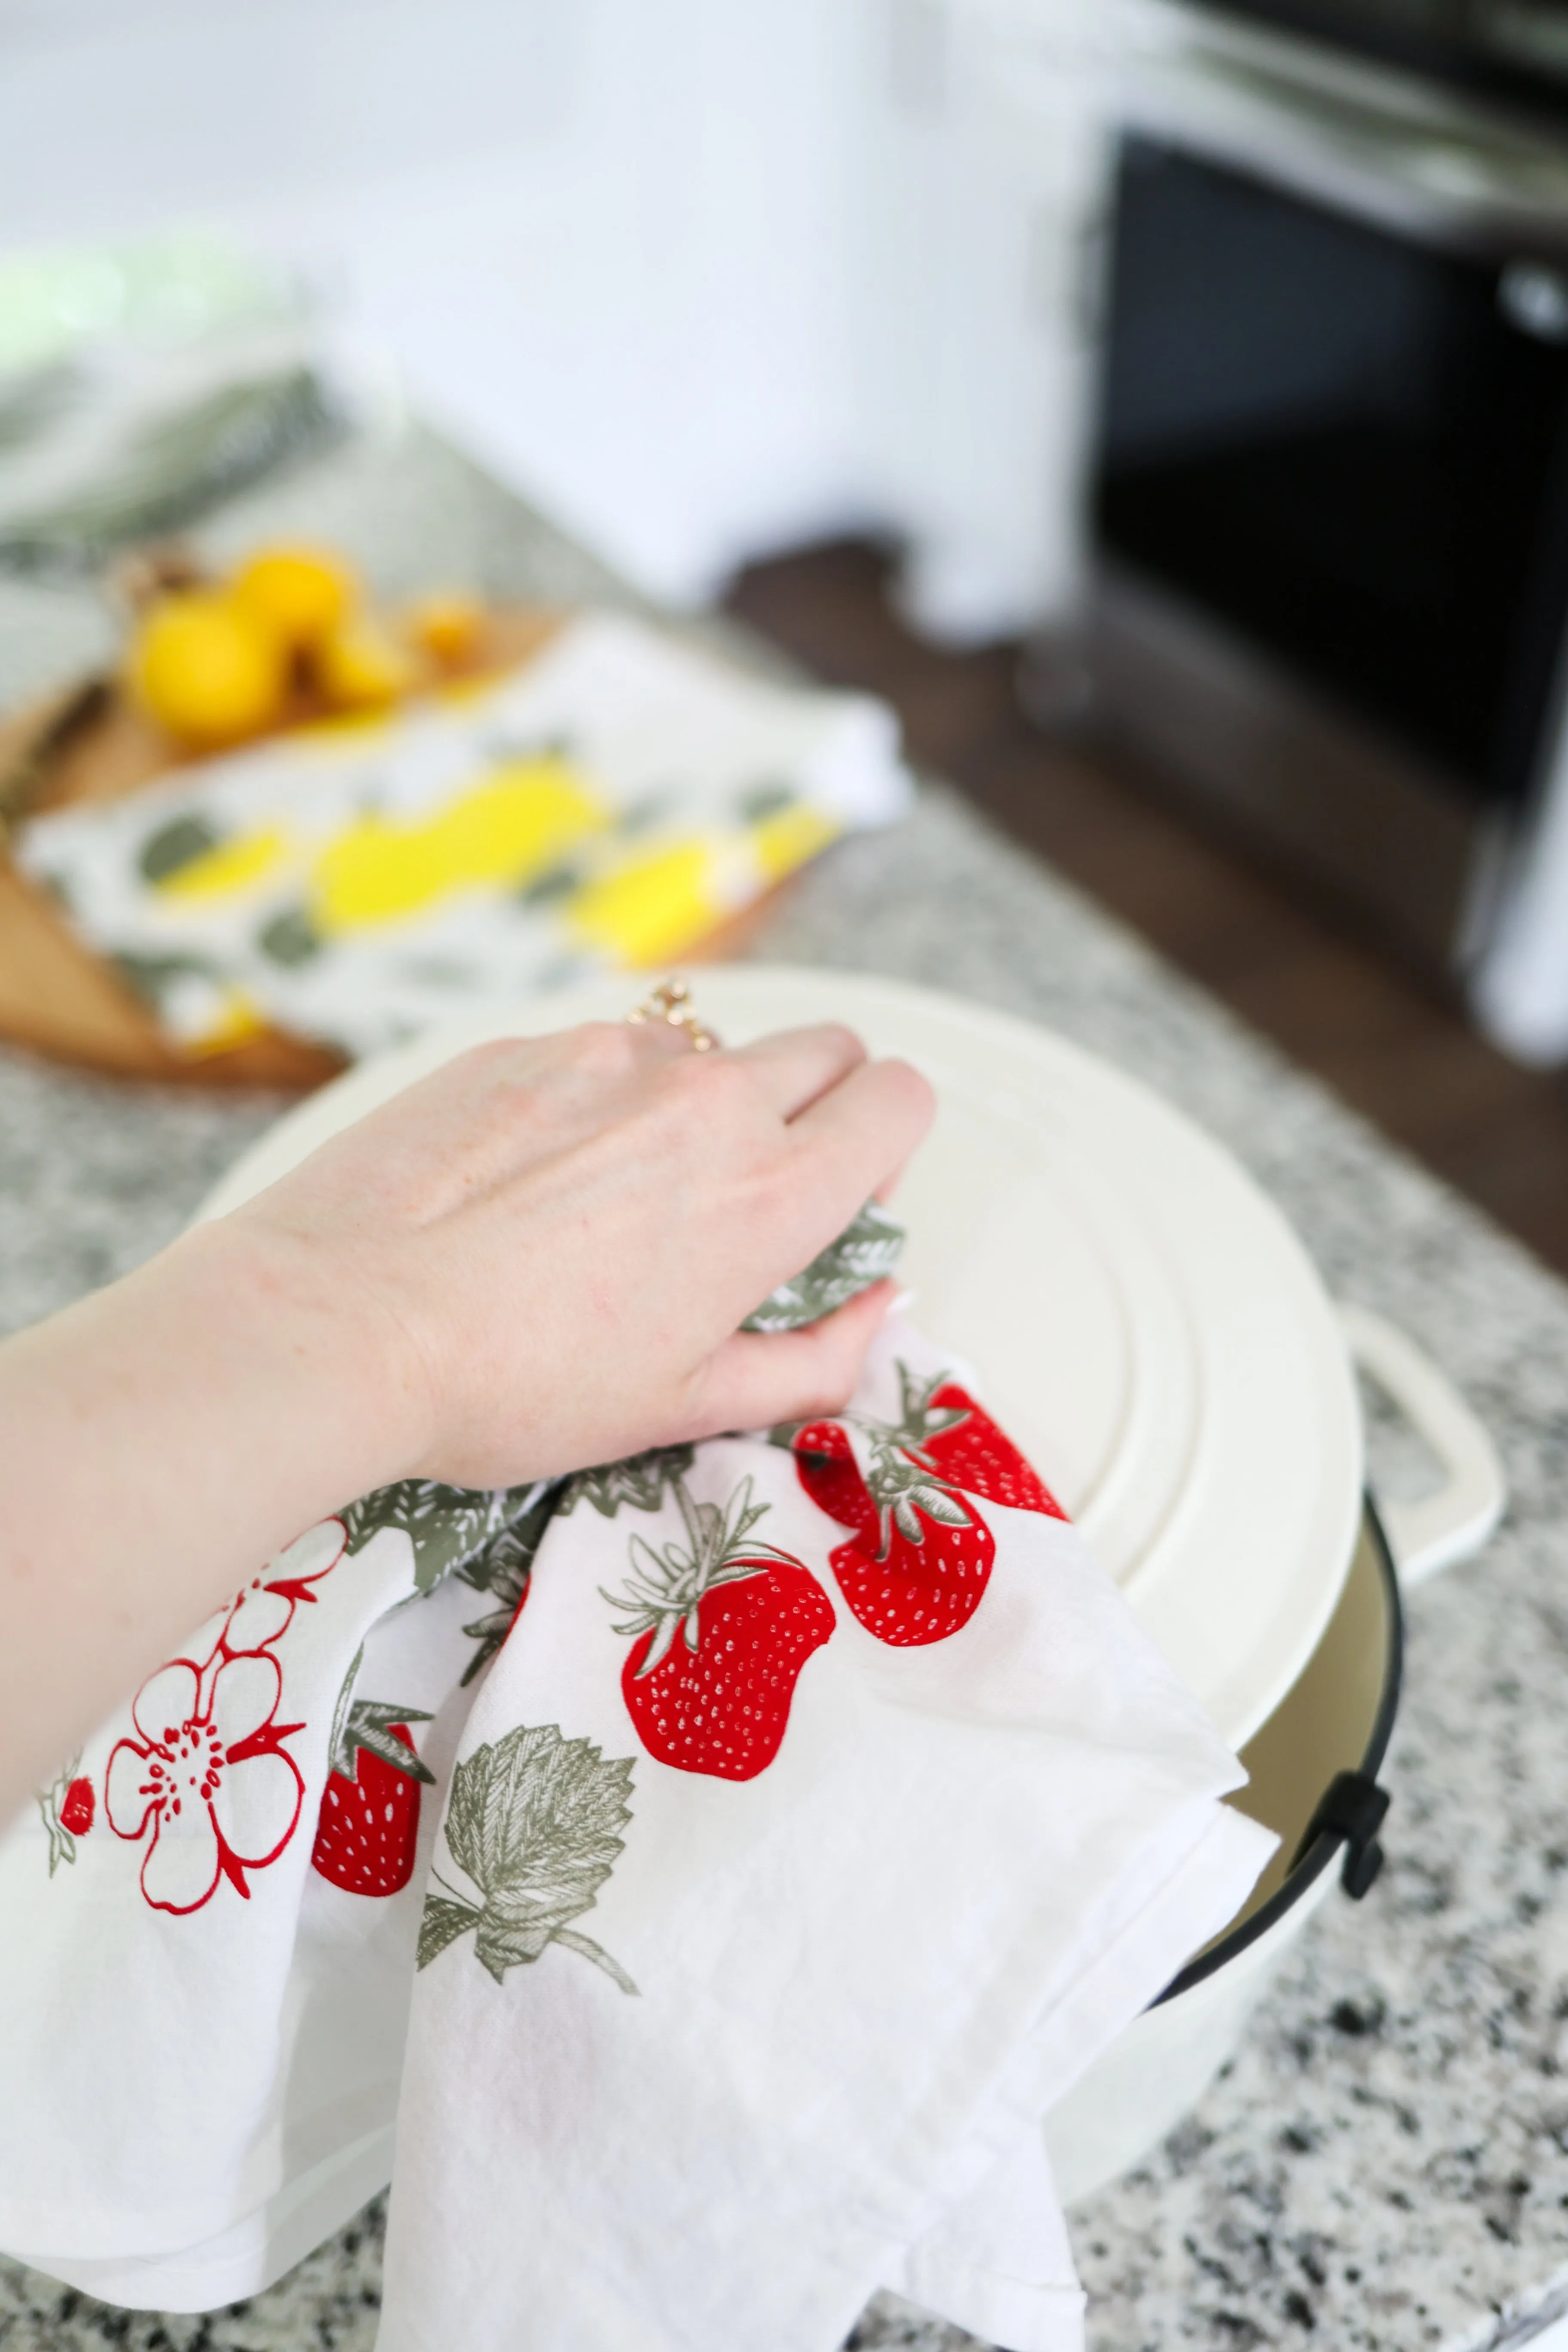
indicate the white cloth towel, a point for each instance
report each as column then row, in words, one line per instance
column 608, row 803
column 742, row 1973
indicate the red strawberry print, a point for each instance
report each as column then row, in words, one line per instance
column 943, row 1428
column 721, row 1628
column 826, row 1467
column 920, row 1558
column 369, row 1823
column 75, row 1813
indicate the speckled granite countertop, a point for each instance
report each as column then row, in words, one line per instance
column 1385, row 2166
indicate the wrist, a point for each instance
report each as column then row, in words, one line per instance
column 186, row 1422
column 324, row 1353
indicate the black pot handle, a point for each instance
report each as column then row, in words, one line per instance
column 1352, row 1808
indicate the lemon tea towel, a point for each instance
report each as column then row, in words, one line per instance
column 609, row 803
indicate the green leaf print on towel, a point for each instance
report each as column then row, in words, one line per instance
column 503, row 1570
column 642, row 1480
column 447, row 1526
column 534, row 1823
column 865, row 1251
column 67, row 1805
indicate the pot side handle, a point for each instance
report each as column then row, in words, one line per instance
column 1456, row 1519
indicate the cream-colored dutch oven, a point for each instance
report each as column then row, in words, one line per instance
column 1148, row 1328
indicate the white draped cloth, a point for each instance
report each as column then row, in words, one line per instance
column 691, row 1886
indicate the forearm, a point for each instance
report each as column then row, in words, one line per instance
column 158, row 1441
column 536, row 1258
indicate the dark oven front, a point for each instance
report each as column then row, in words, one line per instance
column 1331, row 519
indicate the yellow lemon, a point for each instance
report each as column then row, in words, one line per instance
column 447, row 627
column 299, row 592
column 205, row 670
column 361, row 667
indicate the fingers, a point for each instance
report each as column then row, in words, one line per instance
column 757, row 1379
column 859, row 1136
column 796, row 1066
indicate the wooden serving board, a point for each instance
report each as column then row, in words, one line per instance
column 58, row 998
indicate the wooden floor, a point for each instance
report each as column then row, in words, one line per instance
column 1388, row 1043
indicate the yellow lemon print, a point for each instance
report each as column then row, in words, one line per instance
column 235, row 1022
column 787, row 839
column 503, row 831
column 650, row 911
column 229, row 869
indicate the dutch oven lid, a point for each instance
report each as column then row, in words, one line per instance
column 1143, row 1321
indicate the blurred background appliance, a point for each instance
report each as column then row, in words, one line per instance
column 1330, row 502
column 1515, row 51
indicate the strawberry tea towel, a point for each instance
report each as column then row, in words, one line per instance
column 823, row 1817
column 710, row 1869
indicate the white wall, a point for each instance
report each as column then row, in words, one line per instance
column 706, row 276
column 985, row 185
column 116, row 114
column 643, row 318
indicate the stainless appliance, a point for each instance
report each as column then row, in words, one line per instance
column 1330, row 502
column 1514, row 52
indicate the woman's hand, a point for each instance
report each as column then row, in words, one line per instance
column 550, row 1243
column 533, row 1261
